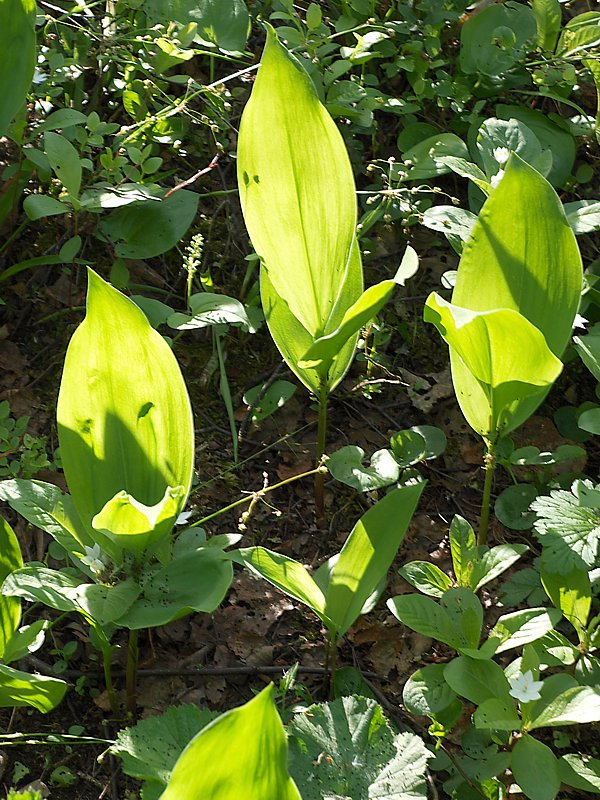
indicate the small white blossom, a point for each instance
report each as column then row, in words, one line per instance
column 579, row 321
column 524, row 688
column 183, row 518
column 501, row 155
column 495, row 179
column 92, row 558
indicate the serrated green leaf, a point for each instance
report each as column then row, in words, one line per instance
column 255, row 734
column 568, row 529
column 124, row 415
column 346, row 748
column 150, row 749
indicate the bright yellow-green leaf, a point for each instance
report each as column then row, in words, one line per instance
column 17, row 65
column 241, row 754
column 368, row 554
column 10, row 607
column 325, row 349
column 135, row 526
column 505, row 356
column 298, row 198
column 18, row 689
column 288, row 575
column 124, row 415
column 523, row 256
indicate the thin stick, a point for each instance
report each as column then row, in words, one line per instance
column 194, row 177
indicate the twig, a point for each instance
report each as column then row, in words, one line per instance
column 194, row 177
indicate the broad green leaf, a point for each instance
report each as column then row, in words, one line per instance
column 426, row 577
column 21, row 689
column 456, row 621
column 26, row 640
column 521, row 627
column 471, row 171
column 581, row 772
column 548, row 19
column 571, row 593
column 505, row 357
column 512, row 506
column 588, row 348
column 46, row 507
column 346, row 465
column 10, row 607
column 426, row 692
column 463, row 547
column 37, row 206
column 419, row 443
column 484, row 51
column 427, row 158
column 197, row 581
column 211, row 309
column 497, row 714
column 496, row 561
column 532, row 265
column 105, row 604
column 450, row 220
column 577, row 705
column 346, row 749
column 64, row 160
column 477, row 680
column 221, row 23
column 136, row 527
column 286, row 574
column 321, row 354
column 535, row 768
column 40, row 584
column 297, row 193
column 150, row 749
column 266, row 398
column 17, row 45
column 254, row 735
column 124, row 415
column 149, row 228
column 368, row 554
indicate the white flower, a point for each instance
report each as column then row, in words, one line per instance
column 92, row 559
column 579, row 321
column 501, row 154
column 183, row 518
column 495, row 179
column 524, row 688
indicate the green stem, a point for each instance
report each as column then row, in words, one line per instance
column 131, row 673
column 321, row 442
column 110, row 689
column 490, row 466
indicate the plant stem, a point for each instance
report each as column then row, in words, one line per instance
column 321, row 441
column 332, row 665
column 131, row 674
column 490, row 466
column 110, row 689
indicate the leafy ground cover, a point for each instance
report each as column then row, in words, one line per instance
column 251, row 469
